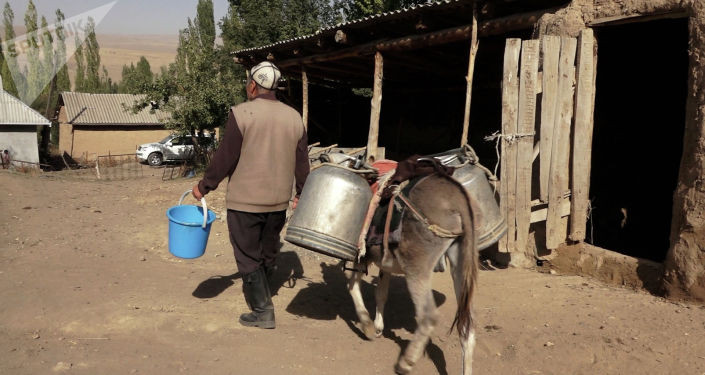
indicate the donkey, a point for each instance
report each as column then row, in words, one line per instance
column 444, row 203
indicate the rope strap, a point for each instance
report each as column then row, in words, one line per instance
column 434, row 228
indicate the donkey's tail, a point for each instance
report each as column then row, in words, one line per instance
column 468, row 262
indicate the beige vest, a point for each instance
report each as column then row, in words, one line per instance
column 264, row 176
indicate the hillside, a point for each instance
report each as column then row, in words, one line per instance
column 118, row 50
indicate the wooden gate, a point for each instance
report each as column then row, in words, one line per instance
column 548, row 95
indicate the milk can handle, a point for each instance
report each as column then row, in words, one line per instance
column 203, row 203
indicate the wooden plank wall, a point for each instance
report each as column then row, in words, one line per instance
column 525, row 139
column 582, row 140
column 556, row 226
column 510, row 108
column 547, row 67
column 551, row 49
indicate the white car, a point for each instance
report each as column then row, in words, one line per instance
column 172, row 148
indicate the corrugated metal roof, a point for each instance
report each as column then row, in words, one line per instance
column 14, row 112
column 358, row 22
column 108, row 109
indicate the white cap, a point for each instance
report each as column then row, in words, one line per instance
column 266, row 75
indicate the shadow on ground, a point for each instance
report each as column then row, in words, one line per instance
column 289, row 270
column 330, row 299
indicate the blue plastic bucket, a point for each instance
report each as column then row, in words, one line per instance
column 189, row 228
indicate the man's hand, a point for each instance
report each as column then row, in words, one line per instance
column 196, row 193
column 295, row 203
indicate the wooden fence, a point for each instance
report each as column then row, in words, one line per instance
column 557, row 76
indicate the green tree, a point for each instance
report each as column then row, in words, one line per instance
column 354, row 9
column 34, row 65
column 251, row 23
column 92, row 55
column 80, row 80
column 198, row 88
column 12, row 79
column 8, row 84
column 62, row 76
column 205, row 24
column 136, row 80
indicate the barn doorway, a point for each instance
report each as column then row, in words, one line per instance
column 642, row 75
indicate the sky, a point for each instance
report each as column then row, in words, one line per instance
column 130, row 17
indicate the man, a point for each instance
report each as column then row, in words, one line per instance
column 5, row 158
column 265, row 148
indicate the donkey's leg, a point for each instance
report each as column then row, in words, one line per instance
column 426, row 319
column 362, row 314
column 467, row 343
column 468, row 347
column 381, row 295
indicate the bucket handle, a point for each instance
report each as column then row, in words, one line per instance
column 203, row 203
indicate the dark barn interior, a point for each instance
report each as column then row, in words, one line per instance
column 423, row 101
column 642, row 73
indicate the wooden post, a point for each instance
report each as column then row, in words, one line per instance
column 582, row 140
column 376, row 108
column 471, row 73
column 510, row 104
column 525, row 142
column 304, row 83
column 551, row 48
column 556, row 231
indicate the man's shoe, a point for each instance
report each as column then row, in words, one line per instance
column 259, row 299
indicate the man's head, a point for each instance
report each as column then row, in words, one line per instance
column 263, row 78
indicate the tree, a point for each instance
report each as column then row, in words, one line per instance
column 197, row 89
column 62, row 76
column 136, row 79
column 354, row 9
column 11, row 75
column 251, row 23
column 92, row 54
column 80, row 84
column 34, row 65
column 8, row 84
column 205, row 24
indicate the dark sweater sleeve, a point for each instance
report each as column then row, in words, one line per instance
column 225, row 159
column 302, row 165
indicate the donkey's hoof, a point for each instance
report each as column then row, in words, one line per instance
column 378, row 333
column 369, row 330
column 402, row 368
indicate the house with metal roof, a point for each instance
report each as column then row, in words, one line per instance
column 18, row 128
column 100, row 124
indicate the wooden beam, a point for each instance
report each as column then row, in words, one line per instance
column 525, row 143
column 551, row 48
column 556, row 231
column 376, row 108
column 510, row 104
column 304, row 84
column 468, row 78
column 454, row 34
column 582, row 139
column 632, row 18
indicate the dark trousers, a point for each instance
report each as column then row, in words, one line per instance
column 255, row 238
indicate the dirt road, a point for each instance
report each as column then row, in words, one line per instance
column 87, row 286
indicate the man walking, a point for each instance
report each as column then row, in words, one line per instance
column 264, row 150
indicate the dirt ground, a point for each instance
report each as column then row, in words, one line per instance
column 88, row 286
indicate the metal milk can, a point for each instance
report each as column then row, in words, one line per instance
column 330, row 212
column 474, row 180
